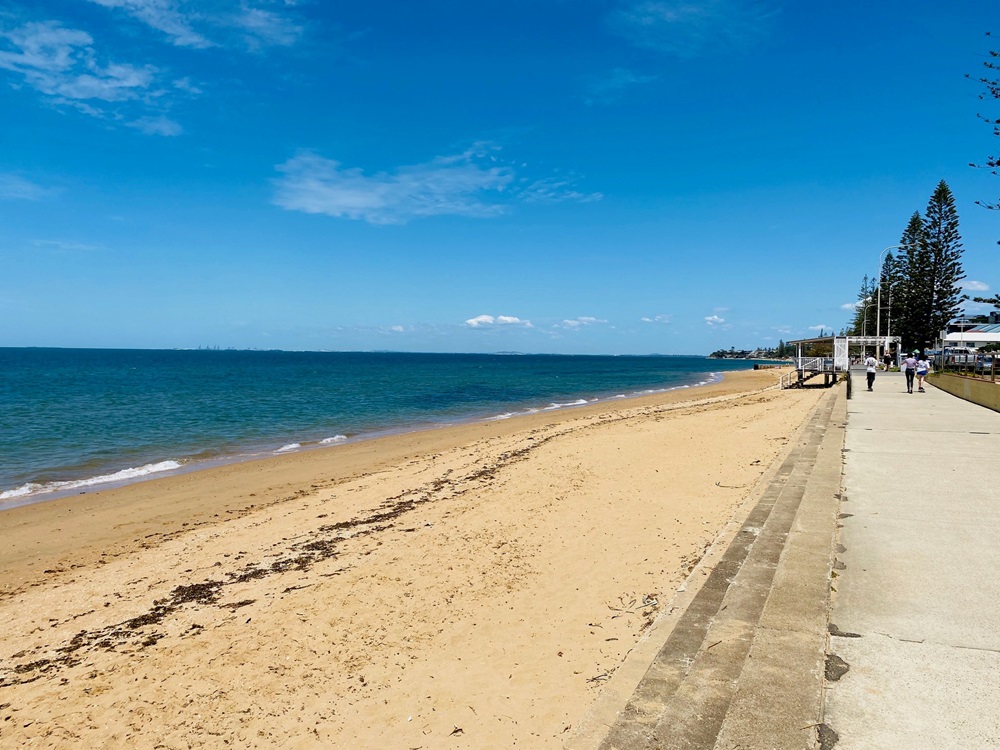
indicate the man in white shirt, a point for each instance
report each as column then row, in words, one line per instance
column 871, row 365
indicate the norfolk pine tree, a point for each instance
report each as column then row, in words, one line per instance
column 944, row 250
column 913, row 268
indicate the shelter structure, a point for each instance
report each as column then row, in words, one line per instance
column 830, row 355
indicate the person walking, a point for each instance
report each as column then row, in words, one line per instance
column 871, row 366
column 923, row 367
column 910, row 369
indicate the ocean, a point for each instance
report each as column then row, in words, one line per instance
column 72, row 420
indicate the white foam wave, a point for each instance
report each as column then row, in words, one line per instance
column 25, row 489
column 505, row 415
column 124, row 475
column 289, row 447
column 334, row 439
column 557, row 405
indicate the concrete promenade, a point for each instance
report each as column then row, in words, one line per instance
column 916, row 605
column 855, row 606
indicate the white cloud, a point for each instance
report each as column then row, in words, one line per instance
column 823, row 327
column 665, row 319
column 66, row 246
column 714, row 320
column 606, row 88
column 473, row 183
column 15, row 187
column 555, row 190
column 975, row 286
column 397, row 329
column 581, row 322
column 162, row 15
column 263, row 27
column 62, row 65
column 687, row 28
column 850, row 306
column 489, row 321
column 783, row 329
column 157, row 126
column 187, row 23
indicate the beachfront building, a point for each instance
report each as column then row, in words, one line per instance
column 962, row 334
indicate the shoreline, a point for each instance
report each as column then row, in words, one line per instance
column 31, row 492
column 475, row 586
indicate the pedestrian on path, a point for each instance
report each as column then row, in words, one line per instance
column 923, row 367
column 910, row 368
column 871, row 365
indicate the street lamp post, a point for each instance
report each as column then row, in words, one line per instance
column 864, row 328
column 878, row 312
column 888, row 322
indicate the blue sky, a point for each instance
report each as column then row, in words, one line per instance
column 575, row 176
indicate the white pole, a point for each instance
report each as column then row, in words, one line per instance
column 878, row 312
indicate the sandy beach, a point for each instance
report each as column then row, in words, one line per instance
column 468, row 587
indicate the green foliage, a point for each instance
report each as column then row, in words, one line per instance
column 991, row 91
column 921, row 289
column 944, row 247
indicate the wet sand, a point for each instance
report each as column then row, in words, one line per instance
column 469, row 587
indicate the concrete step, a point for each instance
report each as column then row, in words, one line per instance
column 743, row 666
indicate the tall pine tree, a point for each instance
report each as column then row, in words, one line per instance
column 887, row 280
column 944, row 248
column 913, row 264
column 863, row 322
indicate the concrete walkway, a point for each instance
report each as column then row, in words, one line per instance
column 916, row 602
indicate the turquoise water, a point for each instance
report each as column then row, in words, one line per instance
column 73, row 419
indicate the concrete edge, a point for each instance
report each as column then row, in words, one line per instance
column 781, row 693
column 597, row 720
column 981, row 392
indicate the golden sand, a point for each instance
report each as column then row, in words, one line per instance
column 468, row 587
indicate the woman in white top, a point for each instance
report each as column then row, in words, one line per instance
column 923, row 366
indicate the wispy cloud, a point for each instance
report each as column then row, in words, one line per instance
column 664, row 319
column 581, row 322
column 62, row 65
column 975, row 286
column 473, row 183
column 554, row 190
column 608, row 87
column 162, row 15
column 821, row 327
column 15, row 187
column 687, row 28
column 67, row 247
column 490, row 321
column 850, row 306
column 714, row 320
column 157, row 126
column 186, row 23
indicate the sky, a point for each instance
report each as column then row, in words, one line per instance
column 564, row 176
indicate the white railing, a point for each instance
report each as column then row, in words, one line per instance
column 815, row 364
